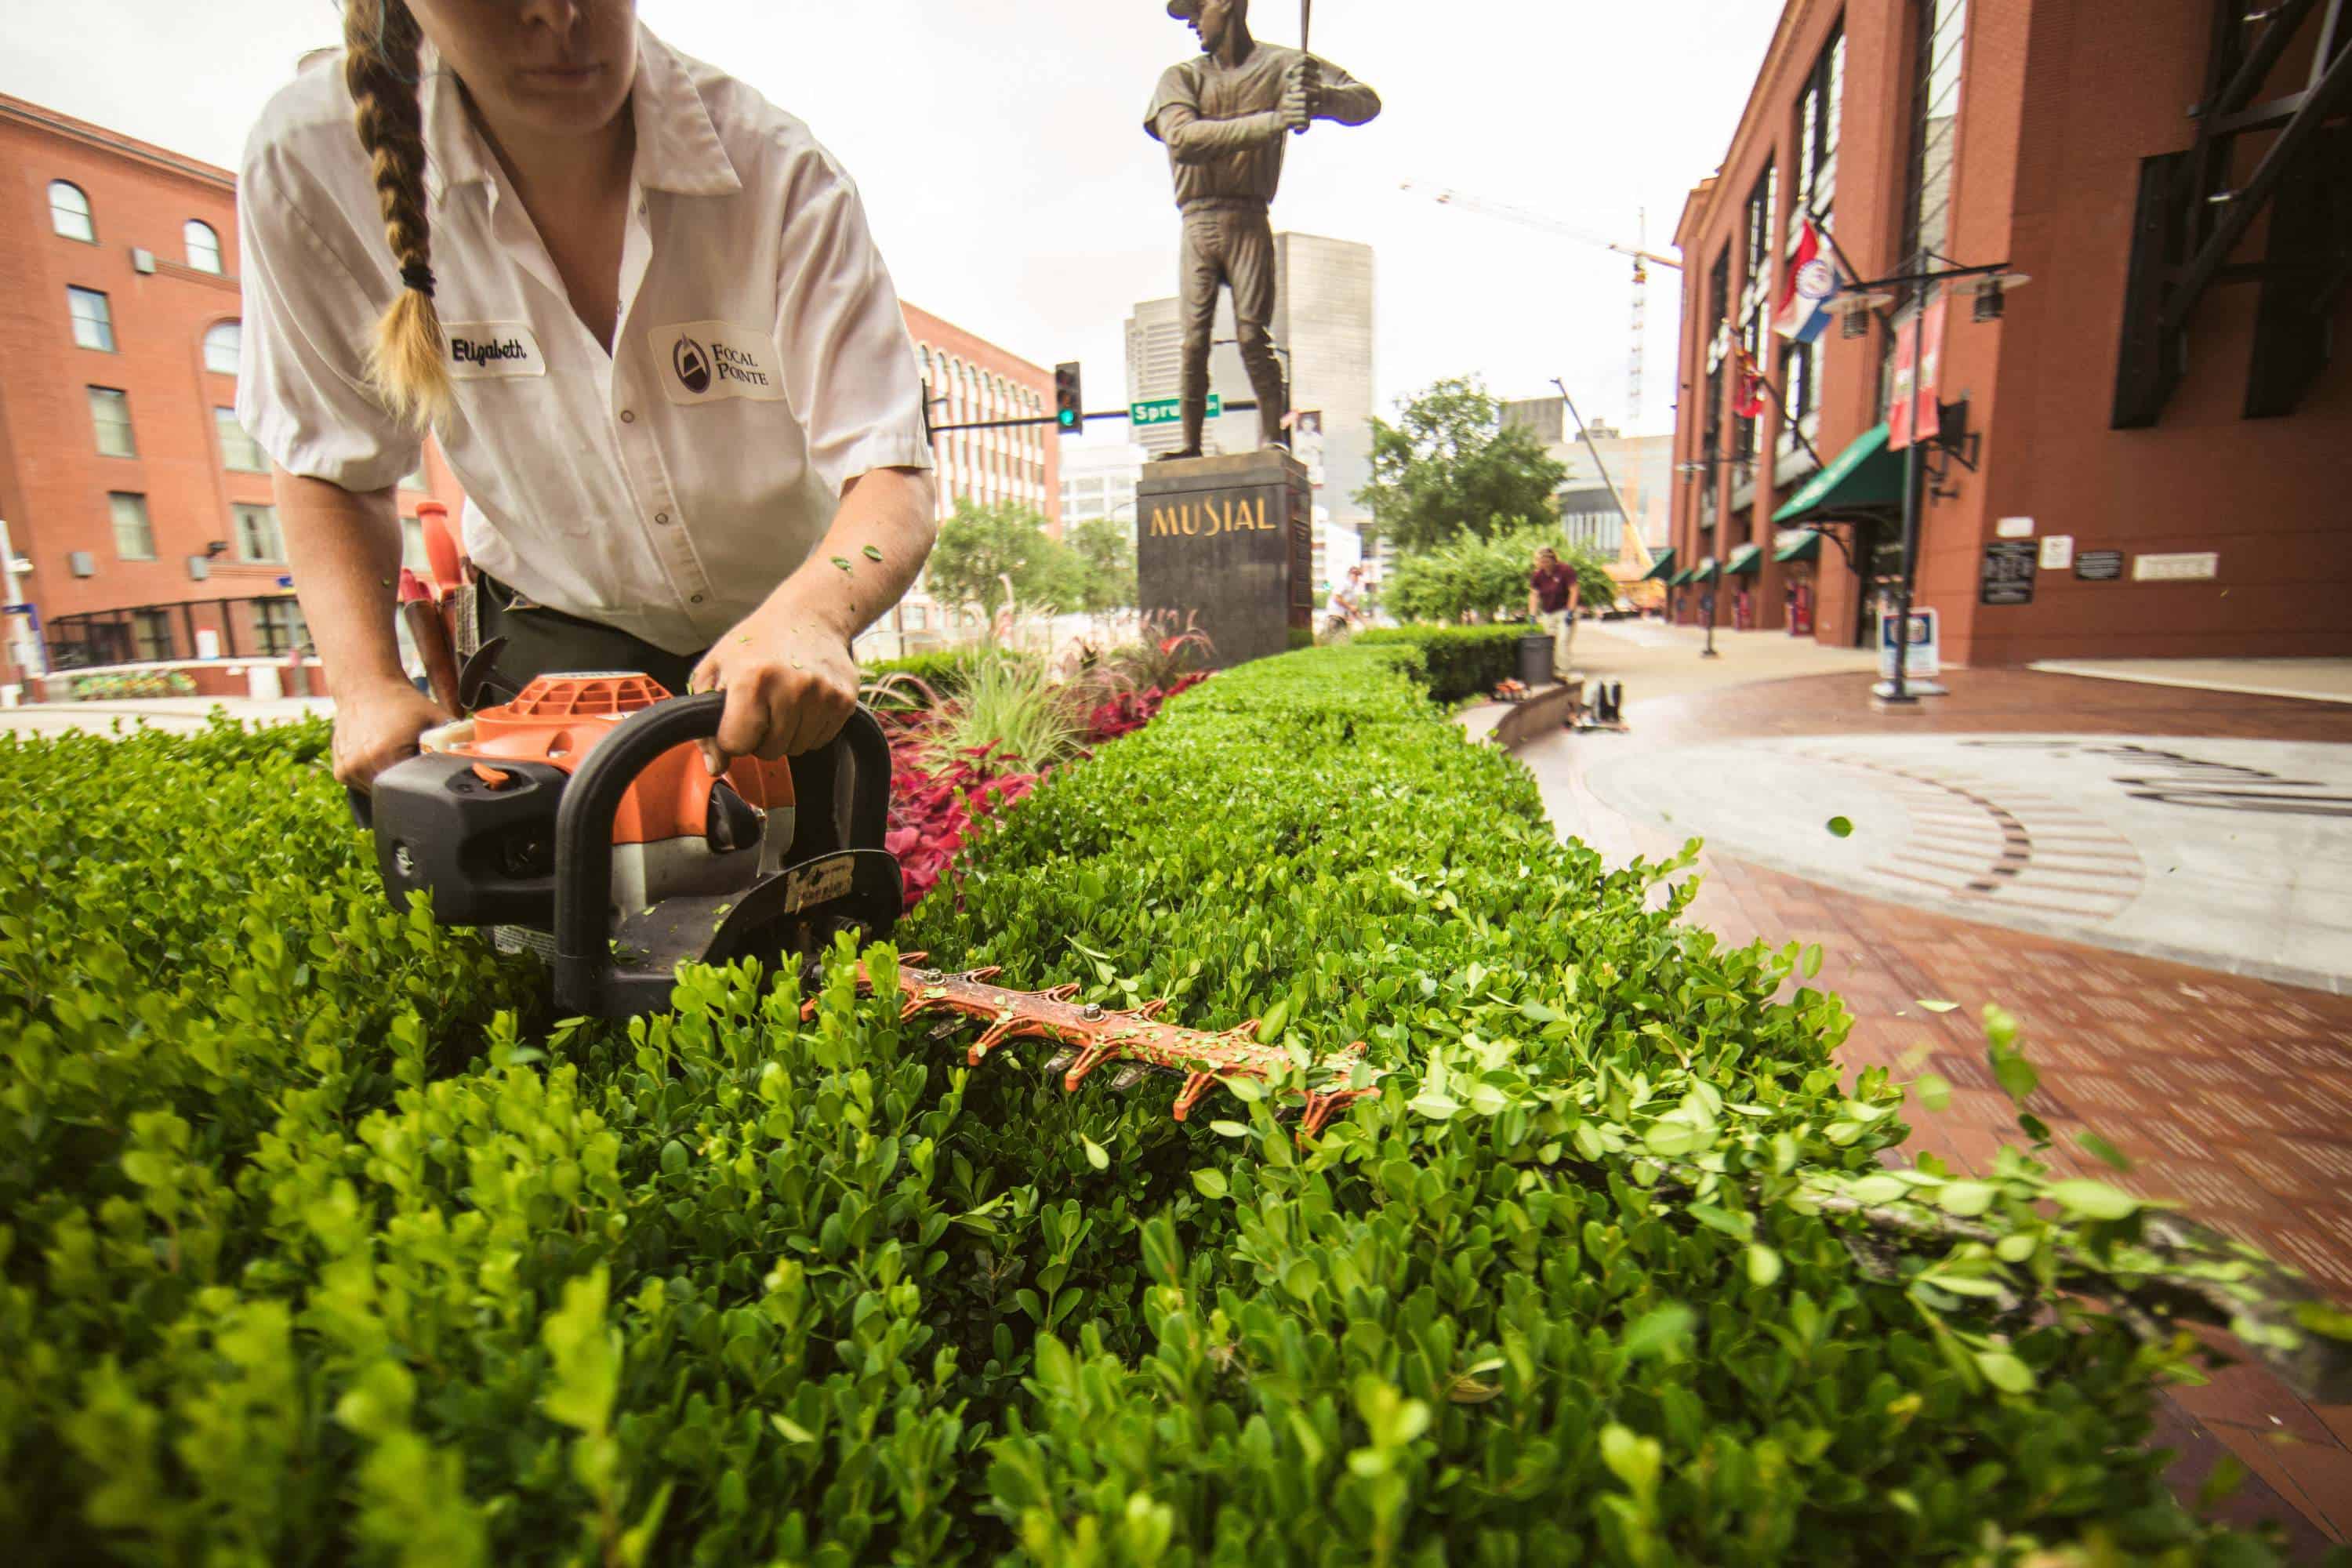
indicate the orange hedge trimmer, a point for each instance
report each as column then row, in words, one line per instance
column 1101, row 1034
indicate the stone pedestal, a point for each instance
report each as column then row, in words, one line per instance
column 1231, row 539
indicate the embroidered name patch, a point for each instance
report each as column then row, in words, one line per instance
column 481, row 349
column 702, row 362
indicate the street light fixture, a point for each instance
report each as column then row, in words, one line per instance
column 1864, row 300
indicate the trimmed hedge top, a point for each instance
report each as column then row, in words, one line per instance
column 315, row 1255
column 1457, row 662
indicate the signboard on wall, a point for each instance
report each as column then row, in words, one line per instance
column 2007, row 576
column 2098, row 565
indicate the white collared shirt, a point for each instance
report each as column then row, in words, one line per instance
column 760, row 361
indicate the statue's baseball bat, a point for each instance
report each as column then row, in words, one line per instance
column 1306, row 33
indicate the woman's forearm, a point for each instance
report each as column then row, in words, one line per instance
column 344, row 550
column 867, row 559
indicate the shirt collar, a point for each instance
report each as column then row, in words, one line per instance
column 677, row 145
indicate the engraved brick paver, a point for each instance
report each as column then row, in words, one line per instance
column 2231, row 1095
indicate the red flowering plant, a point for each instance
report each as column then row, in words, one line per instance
column 958, row 760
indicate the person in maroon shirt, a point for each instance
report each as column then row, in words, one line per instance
column 1553, row 591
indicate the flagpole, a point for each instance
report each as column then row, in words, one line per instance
column 1788, row 424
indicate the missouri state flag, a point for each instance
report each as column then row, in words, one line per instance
column 1805, row 298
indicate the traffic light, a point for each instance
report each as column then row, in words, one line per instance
column 1069, row 404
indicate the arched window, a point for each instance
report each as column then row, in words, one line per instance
column 70, row 212
column 203, row 246
column 222, row 341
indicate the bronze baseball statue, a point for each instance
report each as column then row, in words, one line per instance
column 1224, row 118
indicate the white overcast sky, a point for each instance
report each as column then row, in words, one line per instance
column 1000, row 148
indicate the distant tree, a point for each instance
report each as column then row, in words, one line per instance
column 980, row 548
column 1105, row 551
column 1449, row 467
column 1487, row 579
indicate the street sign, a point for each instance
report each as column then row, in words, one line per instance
column 1923, row 658
column 1167, row 410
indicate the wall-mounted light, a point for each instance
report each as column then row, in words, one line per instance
column 1989, row 290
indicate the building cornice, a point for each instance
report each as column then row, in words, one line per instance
column 17, row 111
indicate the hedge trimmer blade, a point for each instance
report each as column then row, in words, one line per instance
column 1102, row 1035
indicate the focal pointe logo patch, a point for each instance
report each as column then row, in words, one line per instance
column 482, row 348
column 711, row 360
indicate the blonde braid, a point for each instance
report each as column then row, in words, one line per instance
column 405, row 360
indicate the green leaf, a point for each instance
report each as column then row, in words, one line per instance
column 2102, row 1151
column 2016, row 1077
column 1840, row 827
column 1966, row 1198
column 1934, row 1006
column 1228, row 1128
column 1934, row 1090
column 1277, row 1018
column 2005, row 1371
column 1763, row 1265
column 1096, row 1156
column 1875, row 1190
column 2093, row 1200
column 1210, row 1183
column 872, row 552
column 1659, row 1331
column 1633, row 1461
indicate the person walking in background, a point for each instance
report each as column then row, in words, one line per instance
column 1553, row 592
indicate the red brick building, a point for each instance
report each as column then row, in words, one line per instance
column 2168, row 174
column 973, row 380
column 125, row 480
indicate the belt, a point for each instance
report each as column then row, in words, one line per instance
column 1223, row 204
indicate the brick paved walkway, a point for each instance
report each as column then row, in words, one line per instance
column 2230, row 1095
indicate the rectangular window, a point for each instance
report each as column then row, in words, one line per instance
column 150, row 635
column 93, row 322
column 1940, row 34
column 1935, row 121
column 1818, row 109
column 1755, row 297
column 1719, row 322
column 134, row 534
column 109, row 415
column 258, row 537
column 239, row 450
column 278, row 626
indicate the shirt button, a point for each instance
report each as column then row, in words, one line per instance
column 628, row 417
column 694, row 600
column 661, row 517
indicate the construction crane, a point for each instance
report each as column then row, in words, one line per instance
column 1644, row 259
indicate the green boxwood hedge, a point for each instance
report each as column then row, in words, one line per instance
column 323, row 1244
column 1457, row 661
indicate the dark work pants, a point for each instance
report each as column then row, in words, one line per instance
column 540, row 641
column 1229, row 243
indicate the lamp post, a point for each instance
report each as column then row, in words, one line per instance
column 1865, row 297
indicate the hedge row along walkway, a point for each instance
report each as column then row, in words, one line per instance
column 2231, row 1094
column 324, row 1243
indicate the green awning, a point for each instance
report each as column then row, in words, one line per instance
column 1743, row 561
column 1680, row 579
column 1705, row 570
column 1661, row 568
column 1864, row 474
column 1802, row 545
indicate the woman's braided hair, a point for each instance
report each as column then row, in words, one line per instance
column 404, row 359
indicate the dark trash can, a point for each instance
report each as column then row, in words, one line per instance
column 1535, row 659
